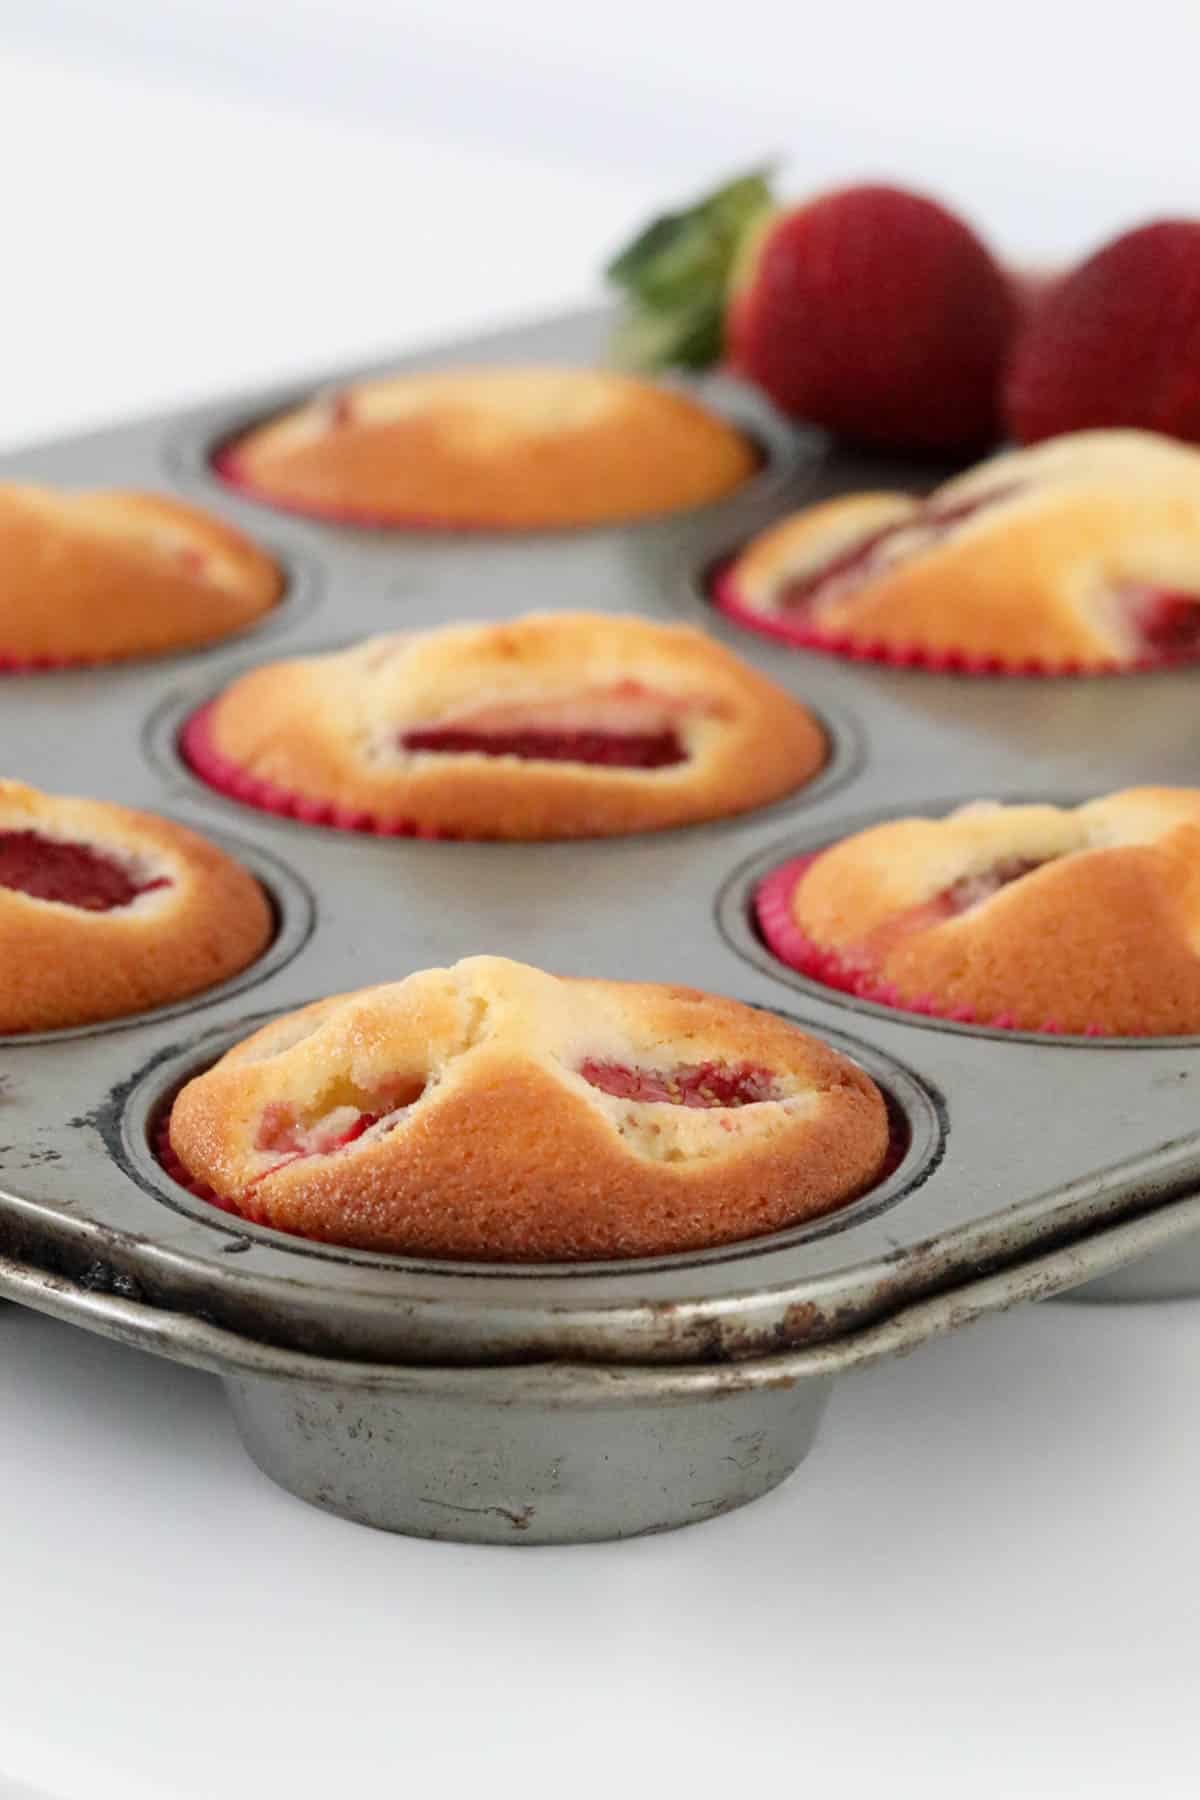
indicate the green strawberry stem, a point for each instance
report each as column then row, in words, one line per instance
column 674, row 277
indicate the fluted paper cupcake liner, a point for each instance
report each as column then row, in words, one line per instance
column 219, row 771
column 242, row 1208
column 11, row 664
column 801, row 635
column 53, row 665
column 164, row 1151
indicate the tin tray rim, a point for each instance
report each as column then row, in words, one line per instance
column 146, row 441
column 199, row 1343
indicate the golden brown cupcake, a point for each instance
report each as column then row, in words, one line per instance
column 106, row 912
column 492, row 1111
column 557, row 725
column 97, row 576
column 1081, row 554
column 1047, row 918
column 524, row 449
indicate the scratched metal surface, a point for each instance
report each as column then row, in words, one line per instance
column 1018, row 1142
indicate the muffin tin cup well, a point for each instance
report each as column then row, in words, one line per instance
column 209, row 457
column 916, row 1135
column 730, row 1300
column 511, row 1402
column 753, row 912
column 294, row 913
column 180, row 740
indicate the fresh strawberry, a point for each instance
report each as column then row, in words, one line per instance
column 870, row 311
column 876, row 314
column 1116, row 342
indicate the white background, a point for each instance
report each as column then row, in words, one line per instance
column 986, row 1581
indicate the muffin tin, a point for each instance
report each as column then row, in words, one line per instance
column 564, row 1402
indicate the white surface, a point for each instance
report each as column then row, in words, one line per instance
column 984, row 1583
column 160, row 246
column 983, row 103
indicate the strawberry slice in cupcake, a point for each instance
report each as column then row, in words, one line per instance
column 105, row 912
column 1082, row 920
column 494, row 1112
column 556, row 725
column 96, row 577
column 492, row 449
column 1082, row 554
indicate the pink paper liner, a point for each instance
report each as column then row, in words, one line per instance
column 165, row 1153
column 792, row 945
column 170, row 1164
column 218, row 771
column 51, row 665
column 725, row 596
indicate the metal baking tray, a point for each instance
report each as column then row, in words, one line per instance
column 552, row 1403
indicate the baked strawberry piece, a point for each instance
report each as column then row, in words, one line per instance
column 1116, row 342
column 106, row 912
column 1083, row 920
column 556, row 725
column 871, row 311
column 71, row 874
column 494, row 1112
column 1079, row 554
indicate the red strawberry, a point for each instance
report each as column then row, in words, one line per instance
column 879, row 315
column 1116, row 342
column 870, row 311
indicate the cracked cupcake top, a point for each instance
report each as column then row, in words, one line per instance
column 97, row 576
column 1085, row 918
column 554, row 725
column 494, row 1111
column 492, row 448
column 106, row 912
column 1082, row 552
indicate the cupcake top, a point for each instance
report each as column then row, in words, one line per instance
column 521, row 449
column 1082, row 919
column 492, row 1111
column 555, row 725
column 106, row 912
column 96, row 576
column 1081, row 553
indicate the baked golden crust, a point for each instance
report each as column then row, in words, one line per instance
column 488, row 1142
column 199, row 919
column 522, row 449
column 1056, row 555
column 1087, row 918
column 330, row 727
column 99, row 576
